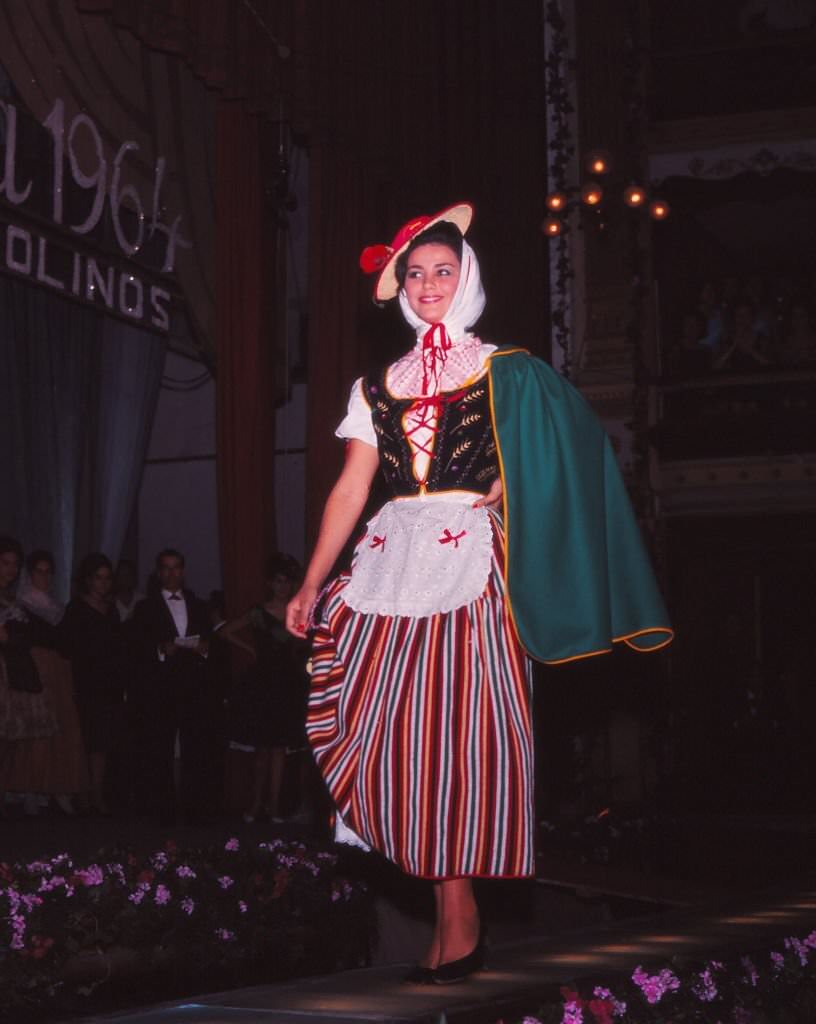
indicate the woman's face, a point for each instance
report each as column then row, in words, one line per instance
column 9, row 568
column 41, row 574
column 100, row 583
column 431, row 280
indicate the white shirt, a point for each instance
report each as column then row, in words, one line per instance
column 178, row 609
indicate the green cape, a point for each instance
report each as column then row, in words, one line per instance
column 578, row 575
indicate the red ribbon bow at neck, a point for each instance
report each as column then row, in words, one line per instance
column 436, row 344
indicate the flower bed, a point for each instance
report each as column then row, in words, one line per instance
column 770, row 986
column 76, row 937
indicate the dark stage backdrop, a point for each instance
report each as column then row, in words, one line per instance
column 411, row 107
column 404, row 108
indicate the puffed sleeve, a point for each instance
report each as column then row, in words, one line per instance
column 357, row 423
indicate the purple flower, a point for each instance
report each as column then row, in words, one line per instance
column 618, row 1007
column 242, row 906
column 799, row 948
column 188, row 905
column 751, row 973
column 225, row 934
column 185, row 871
column 778, row 961
column 163, row 895
column 139, row 893
column 572, row 1013
column 656, row 986
column 225, row 881
column 92, row 875
column 705, row 988
column 232, row 845
column 810, row 941
column 531, row 1020
column 159, row 860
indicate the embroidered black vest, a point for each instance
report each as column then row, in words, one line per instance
column 464, row 449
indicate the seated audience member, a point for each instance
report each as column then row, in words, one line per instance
column 34, row 592
column 798, row 346
column 269, row 703
column 744, row 350
column 92, row 638
column 125, row 589
column 171, row 631
column 690, row 357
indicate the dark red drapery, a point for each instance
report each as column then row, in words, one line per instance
column 245, row 375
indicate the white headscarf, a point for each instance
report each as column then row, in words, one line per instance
column 467, row 306
column 450, row 338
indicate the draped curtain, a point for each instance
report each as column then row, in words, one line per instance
column 245, row 381
column 77, row 392
column 411, row 107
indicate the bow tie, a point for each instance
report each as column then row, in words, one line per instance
column 174, row 597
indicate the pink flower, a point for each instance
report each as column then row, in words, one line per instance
column 232, row 845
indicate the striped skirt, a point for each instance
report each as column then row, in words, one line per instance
column 421, row 728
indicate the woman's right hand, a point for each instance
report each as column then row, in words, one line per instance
column 299, row 610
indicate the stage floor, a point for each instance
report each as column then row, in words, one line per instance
column 521, row 974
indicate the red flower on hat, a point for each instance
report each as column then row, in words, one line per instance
column 374, row 258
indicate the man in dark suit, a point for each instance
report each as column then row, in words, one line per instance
column 171, row 630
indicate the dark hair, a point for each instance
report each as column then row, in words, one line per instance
column 10, row 544
column 88, row 567
column 445, row 232
column 281, row 564
column 169, row 553
column 40, row 555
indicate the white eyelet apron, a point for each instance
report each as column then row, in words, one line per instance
column 421, row 556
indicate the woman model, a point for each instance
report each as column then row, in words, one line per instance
column 270, row 703
column 509, row 534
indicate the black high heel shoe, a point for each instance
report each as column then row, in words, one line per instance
column 455, row 971
column 419, row 975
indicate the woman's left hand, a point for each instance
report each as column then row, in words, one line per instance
column 493, row 498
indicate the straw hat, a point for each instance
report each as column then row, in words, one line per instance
column 383, row 258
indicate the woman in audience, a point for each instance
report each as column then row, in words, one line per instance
column 68, row 773
column 93, row 638
column 34, row 592
column 269, row 705
column 27, row 719
column 126, row 589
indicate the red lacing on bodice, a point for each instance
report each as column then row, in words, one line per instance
column 429, row 410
